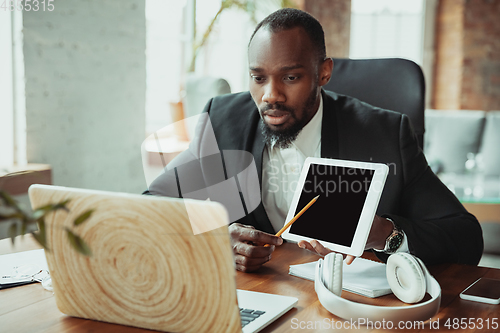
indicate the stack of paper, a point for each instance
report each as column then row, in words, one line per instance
column 25, row 261
column 364, row 277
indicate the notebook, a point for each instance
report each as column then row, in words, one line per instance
column 17, row 269
column 364, row 277
column 148, row 269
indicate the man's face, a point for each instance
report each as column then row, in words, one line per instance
column 285, row 76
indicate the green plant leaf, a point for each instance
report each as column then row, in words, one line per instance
column 62, row 205
column 288, row 4
column 39, row 213
column 78, row 243
column 83, row 217
column 38, row 217
column 41, row 227
column 24, row 225
column 8, row 200
column 17, row 215
column 13, row 232
column 51, row 207
column 44, row 210
column 40, row 240
column 40, row 236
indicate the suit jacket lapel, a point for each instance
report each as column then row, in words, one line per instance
column 329, row 128
column 258, row 149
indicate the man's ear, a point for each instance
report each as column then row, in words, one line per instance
column 325, row 71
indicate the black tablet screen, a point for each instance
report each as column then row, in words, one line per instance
column 335, row 215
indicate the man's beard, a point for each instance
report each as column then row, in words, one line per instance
column 284, row 138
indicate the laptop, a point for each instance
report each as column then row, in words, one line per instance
column 147, row 268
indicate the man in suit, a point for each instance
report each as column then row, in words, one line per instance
column 286, row 117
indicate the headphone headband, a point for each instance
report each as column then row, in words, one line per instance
column 399, row 278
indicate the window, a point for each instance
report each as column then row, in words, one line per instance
column 171, row 26
column 164, row 42
column 12, row 98
column 6, row 91
column 387, row 28
column 395, row 28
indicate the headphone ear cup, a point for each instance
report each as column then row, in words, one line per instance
column 327, row 272
column 332, row 272
column 406, row 278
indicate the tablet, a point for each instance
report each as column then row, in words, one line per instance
column 342, row 216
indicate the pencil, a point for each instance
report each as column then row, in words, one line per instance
column 295, row 217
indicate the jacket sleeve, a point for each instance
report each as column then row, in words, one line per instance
column 183, row 175
column 436, row 224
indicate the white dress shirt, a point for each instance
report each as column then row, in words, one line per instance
column 281, row 169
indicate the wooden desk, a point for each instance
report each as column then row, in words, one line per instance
column 484, row 212
column 30, row 308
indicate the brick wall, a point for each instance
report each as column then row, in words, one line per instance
column 335, row 17
column 449, row 55
column 467, row 67
column 481, row 64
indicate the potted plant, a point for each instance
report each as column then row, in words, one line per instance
column 11, row 212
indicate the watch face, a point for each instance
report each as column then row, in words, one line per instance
column 395, row 242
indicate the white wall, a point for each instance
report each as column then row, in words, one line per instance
column 85, row 92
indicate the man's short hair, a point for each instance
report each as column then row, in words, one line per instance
column 288, row 18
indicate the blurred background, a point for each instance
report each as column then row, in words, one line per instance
column 84, row 82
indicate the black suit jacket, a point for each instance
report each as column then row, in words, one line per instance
column 437, row 226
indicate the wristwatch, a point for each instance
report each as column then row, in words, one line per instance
column 394, row 241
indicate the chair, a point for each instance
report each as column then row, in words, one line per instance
column 491, row 167
column 451, row 135
column 491, row 252
column 393, row 84
column 199, row 90
column 490, row 143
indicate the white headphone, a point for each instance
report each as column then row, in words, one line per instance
column 407, row 276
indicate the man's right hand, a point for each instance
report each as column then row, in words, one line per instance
column 248, row 246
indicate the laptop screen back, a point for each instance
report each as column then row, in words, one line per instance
column 147, row 269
